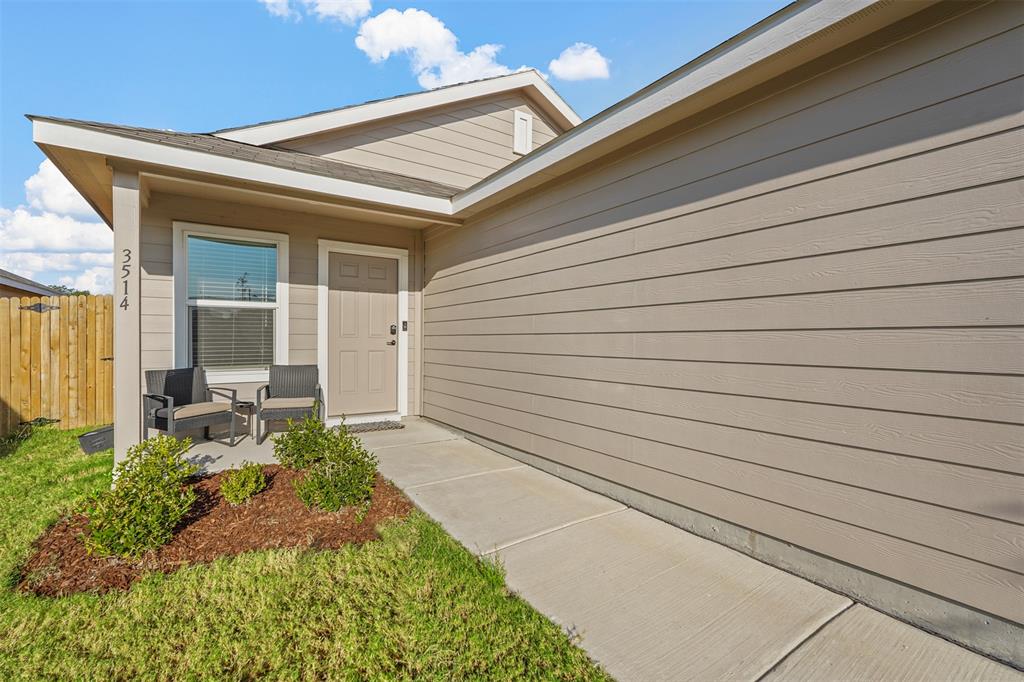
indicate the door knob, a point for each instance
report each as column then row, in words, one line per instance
column 392, row 342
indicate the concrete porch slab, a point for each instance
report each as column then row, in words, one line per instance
column 414, row 465
column 863, row 644
column 492, row 510
column 415, row 431
column 651, row 602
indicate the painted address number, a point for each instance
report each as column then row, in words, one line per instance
column 126, row 273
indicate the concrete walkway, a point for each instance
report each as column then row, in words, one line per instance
column 647, row 600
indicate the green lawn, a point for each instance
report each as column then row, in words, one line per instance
column 414, row 604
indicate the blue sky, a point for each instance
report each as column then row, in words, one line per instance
column 199, row 66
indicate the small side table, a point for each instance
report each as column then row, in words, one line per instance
column 247, row 408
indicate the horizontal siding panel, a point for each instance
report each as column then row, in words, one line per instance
column 971, row 489
column 708, row 422
column 648, row 279
column 987, row 303
column 973, row 210
column 972, row 396
column 995, row 590
column 988, row 540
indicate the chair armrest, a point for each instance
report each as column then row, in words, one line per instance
column 164, row 400
column 321, row 409
column 229, row 393
column 265, row 388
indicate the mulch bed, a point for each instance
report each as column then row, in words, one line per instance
column 274, row 518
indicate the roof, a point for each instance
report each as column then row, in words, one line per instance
column 529, row 81
column 796, row 34
column 9, row 279
column 280, row 158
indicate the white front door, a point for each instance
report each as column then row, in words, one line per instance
column 362, row 325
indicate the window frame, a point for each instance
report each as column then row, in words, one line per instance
column 181, row 347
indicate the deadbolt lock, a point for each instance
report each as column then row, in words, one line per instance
column 394, row 329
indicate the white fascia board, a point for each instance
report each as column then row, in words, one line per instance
column 763, row 43
column 111, row 145
column 280, row 131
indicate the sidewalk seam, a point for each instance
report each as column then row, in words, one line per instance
column 555, row 529
column 464, row 476
column 809, row 637
column 409, row 445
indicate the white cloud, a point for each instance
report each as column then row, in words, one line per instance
column 25, row 230
column 48, row 190
column 98, row 280
column 579, row 62
column 56, row 236
column 431, row 47
column 346, row 11
column 280, row 8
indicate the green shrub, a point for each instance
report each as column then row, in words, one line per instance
column 240, row 485
column 149, row 499
column 332, row 484
column 340, row 472
column 300, row 445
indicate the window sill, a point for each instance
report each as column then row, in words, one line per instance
column 237, row 376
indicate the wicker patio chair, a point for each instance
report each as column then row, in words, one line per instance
column 293, row 393
column 180, row 400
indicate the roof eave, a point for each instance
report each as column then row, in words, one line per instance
column 530, row 81
column 50, row 133
column 797, row 33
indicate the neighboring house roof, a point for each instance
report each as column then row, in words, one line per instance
column 13, row 281
column 280, row 158
column 529, row 81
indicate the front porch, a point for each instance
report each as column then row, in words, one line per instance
column 216, row 455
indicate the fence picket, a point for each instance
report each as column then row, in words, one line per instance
column 51, row 360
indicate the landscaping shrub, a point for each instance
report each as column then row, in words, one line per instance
column 333, row 484
column 340, row 472
column 240, row 485
column 148, row 500
column 300, row 445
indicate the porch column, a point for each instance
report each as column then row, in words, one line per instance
column 127, row 347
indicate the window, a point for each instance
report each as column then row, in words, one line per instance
column 522, row 139
column 230, row 317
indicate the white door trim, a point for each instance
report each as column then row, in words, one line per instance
column 325, row 248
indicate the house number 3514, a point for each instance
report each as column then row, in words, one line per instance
column 126, row 272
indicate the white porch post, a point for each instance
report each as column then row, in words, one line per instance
column 127, row 300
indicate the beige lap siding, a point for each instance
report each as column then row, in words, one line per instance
column 799, row 312
column 304, row 231
column 457, row 145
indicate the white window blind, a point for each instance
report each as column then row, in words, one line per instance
column 232, row 302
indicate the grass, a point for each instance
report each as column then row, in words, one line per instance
column 415, row 604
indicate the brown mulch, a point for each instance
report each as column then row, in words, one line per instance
column 274, row 518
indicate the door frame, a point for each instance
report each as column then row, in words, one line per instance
column 325, row 247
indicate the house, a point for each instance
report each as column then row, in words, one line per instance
column 16, row 285
column 773, row 297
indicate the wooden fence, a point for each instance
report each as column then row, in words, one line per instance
column 56, row 360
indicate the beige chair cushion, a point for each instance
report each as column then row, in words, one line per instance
column 287, row 403
column 195, row 410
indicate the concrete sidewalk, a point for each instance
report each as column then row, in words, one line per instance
column 650, row 601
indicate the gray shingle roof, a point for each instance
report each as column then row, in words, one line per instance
column 281, row 158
